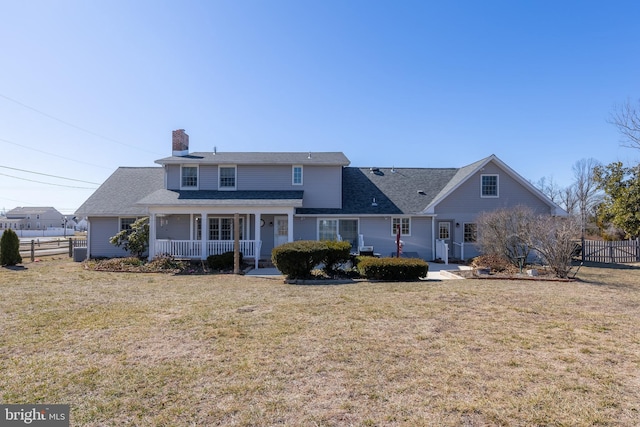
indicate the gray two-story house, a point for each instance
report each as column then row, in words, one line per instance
column 192, row 199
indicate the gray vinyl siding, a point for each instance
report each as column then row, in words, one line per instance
column 102, row 229
column 208, row 177
column 466, row 200
column 377, row 233
column 264, row 177
column 322, row 187
column 173, row 177
column 175, row 227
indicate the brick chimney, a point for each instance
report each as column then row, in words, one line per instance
column 180, row 142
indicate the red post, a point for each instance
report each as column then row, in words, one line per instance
column 398, row 242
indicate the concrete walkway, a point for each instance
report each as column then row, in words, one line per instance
column 434, row 272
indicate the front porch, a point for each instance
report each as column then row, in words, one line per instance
column 197, row 249
column 195, row 235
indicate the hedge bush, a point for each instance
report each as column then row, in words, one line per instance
column 392, row 269
column 337, row 253
column 223, row 261
column 10, row 248
column 297, row 259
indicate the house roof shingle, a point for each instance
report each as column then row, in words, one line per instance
column 119, row 194
column 396, row 191
column 222, row 198
column 262, row 158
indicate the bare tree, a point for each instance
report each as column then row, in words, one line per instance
column 626, row 117
column 586, row 190
column 549, row 188
column 507, row 233
column 554, row 239
column 569, row 200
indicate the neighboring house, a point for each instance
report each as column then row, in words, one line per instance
column 32, row 218
column 192, row 198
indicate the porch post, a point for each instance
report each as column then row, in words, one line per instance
column 204, row 235
column 152, row 236
column 236, row 243
column 290, row 225
column 257, row 218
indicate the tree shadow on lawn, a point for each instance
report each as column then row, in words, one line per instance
column 15, row 267
column 617, row 268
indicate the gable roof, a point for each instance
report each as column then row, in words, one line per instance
column 118, row 195
column 410, row 191
column 466, row 172
column 261, row 158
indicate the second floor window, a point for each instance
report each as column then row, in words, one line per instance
column 227, row 177
column 189, row 176
column 297, row 175
column 489, row 186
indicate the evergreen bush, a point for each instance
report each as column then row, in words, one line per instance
column 296, row 259
column 392, row 269
column 223, row 261
column 10, row 248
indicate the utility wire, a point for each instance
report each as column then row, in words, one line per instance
column 46, row 174
column 53, row 154
column 106, row 138
column 47, row 183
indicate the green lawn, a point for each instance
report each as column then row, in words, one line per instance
column 162, row 350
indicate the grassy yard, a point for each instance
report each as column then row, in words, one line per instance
column 161, row 350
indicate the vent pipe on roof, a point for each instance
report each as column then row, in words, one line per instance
column 180, row 143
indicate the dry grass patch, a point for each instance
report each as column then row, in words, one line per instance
column 158, row 350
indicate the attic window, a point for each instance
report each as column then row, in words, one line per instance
column 489, row 185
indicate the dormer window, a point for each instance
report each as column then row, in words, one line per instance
column 489, row 186
column 189, row 176
column 227, row 177
column 296, row 175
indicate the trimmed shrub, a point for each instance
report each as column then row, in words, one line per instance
column 296, row 259
column 223, row 261
column 337, row 253
column 10, row 248
column 392, row 269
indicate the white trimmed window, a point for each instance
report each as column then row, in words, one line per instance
column 189, row 177
column 222, row 228
column 489, row 186
column 470, row 232
column 405, row 226
column 296, row 175
column 126, row 223
column 339, row 229
column 227, row 177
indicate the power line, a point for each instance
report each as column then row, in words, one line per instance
column 47, row 183
column 54, row 155
column 52, row 176
column 106, row 138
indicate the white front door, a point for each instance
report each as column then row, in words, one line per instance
column 280, row 230
column 444, row 234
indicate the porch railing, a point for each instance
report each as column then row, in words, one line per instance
column 193, row 248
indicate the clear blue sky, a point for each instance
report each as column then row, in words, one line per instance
column 87, row 86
